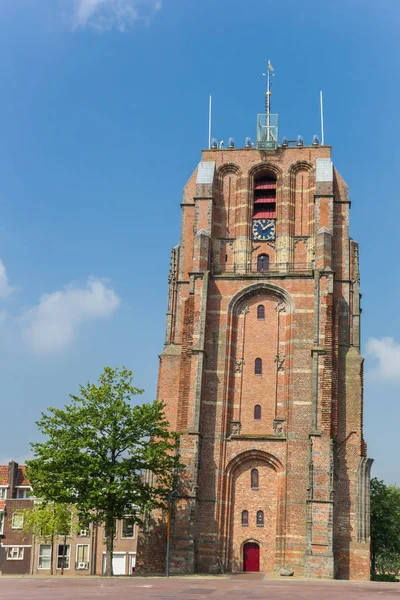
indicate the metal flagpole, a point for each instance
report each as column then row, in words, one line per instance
column 268, row 101
column 322, row 119
column 209, row 124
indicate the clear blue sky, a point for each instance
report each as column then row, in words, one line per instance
column 103, row 112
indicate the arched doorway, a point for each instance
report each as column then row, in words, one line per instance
column 251, row 557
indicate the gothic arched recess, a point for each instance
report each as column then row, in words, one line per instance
column 258, row 352
column 264, row 506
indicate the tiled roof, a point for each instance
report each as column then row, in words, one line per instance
column 21, row 479
column 3, row 475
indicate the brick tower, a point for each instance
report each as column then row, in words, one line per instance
column 261, row 369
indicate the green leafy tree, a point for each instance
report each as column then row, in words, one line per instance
column 46, row 521
column 97, row 450
column 385, row 527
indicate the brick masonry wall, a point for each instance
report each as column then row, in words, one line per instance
column 96, row 548
column 308, row 443
column 15, row 537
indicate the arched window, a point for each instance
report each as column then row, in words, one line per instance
column 257, row 412
column 260, row 312
column 262, row 263
column 260, row 518
column 245, row 517
column 254, row 479
column 258, row 366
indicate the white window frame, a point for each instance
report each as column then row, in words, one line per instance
column 20, row 552
column 1, row 522
column 17, row 514
column 3, row 490
column 22, row 491
column 45, row 556
column 127, row 537
column 67, row 556
column 88, row 555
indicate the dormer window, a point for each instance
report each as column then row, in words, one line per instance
column 24, row 493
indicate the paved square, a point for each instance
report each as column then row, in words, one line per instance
column 185, row 588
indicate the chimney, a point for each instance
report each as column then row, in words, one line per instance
column 12, row 478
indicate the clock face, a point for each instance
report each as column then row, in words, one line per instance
column 263, row 229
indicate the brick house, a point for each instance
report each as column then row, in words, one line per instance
column 15, row 545
column 84, row 553
column 261, row 370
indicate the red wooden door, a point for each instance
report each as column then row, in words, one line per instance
column 251, row 557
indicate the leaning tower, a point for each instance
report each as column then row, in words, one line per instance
column 261, row 370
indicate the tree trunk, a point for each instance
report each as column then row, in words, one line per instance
column 94, row 550
column 52, row 556
column 33, row 554
column 63, row 554
column 109, row 526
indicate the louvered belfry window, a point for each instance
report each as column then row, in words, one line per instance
column 264, row 198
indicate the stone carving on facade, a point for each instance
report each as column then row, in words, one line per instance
column 173, row 265
column 280, row 307
column 239, row 365
column 235, row 427
column 245, row 310
column 191, row 284
column 278, row 426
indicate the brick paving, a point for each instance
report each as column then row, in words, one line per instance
column 188, row 588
